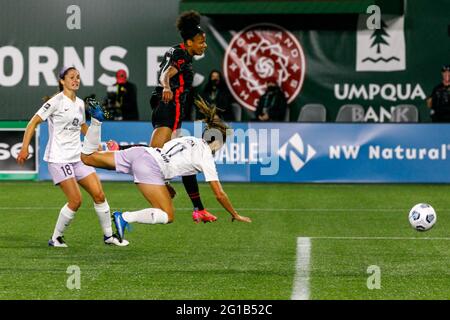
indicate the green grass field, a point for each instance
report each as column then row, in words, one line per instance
column 225, row 260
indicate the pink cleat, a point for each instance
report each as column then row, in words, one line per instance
column 203, row 215
column 112, row 145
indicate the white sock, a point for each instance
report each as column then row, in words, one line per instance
column 104, row 216
column 148, row 216
column 66, row 215
column 92, row 138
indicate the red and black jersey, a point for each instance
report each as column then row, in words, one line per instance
column 179, row 58
column 171, row 114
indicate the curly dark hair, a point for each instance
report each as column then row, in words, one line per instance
column 188, row 24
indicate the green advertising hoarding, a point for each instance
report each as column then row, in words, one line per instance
column 336, row 59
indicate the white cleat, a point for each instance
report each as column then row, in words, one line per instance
column 115, row 241
column 58, row 242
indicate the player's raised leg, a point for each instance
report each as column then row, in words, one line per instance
column 89, row 152
column 104, row 160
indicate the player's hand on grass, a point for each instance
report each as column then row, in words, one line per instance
column 167, row 95
column 241, row 218
column 22, row 156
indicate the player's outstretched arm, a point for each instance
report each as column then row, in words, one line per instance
column 167, row 94
column 223, row 199
column 29, row 133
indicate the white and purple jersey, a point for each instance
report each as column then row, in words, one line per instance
column 184, row 157
column 65, row 118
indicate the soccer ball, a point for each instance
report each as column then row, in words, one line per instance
column 422, row 217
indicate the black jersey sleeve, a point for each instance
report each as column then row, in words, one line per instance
column 178, row 59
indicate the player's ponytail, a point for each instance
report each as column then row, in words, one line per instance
column 215, row 127
column 188, row 24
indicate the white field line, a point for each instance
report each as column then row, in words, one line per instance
column 380, row 238
column 247, row 209
column 301, row 280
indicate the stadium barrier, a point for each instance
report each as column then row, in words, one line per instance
column 310, row 152
column 11, row 135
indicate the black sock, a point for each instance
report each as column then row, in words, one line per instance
column 191, row 186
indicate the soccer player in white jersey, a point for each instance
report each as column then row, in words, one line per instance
column 65, row 113
column 151, row 167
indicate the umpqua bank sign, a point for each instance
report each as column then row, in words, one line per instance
column 381, row 50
